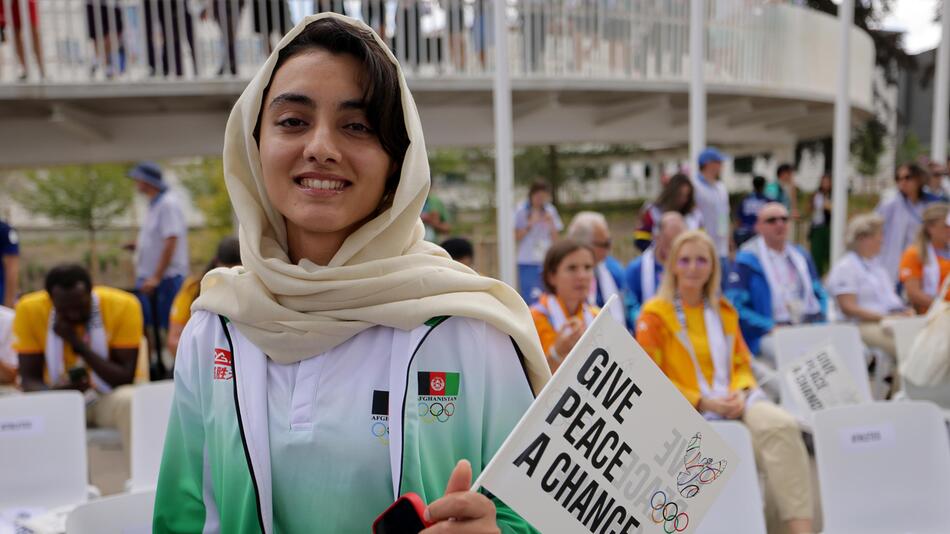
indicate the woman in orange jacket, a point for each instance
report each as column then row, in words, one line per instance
column 562, row 314
column 692, row 333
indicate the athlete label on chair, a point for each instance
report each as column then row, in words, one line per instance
column 20, row 426
column 868, row 437
column 820, row 380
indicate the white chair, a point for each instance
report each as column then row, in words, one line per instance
column 883, row 467
column 151, row 405
column 905, row 331
column 127, row 513
column 792, row 342
column 739, row 508
column 43, row 450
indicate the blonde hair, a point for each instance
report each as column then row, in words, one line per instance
column 933, row 213
column 667, row 289
column 862, row 226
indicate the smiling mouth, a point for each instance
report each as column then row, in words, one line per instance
column 318, row 184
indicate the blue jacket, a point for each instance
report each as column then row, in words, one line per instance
column 634, row 294
column 616, row 272
column 748, row 289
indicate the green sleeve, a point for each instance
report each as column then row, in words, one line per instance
column 510, row 522
column 179, row 499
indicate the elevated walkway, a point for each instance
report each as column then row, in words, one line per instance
column 591, row 71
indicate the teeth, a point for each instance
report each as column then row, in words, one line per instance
column 330, row 185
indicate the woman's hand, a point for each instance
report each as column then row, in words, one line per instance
column 729, row 407
column 568, row 335
column 461, row 510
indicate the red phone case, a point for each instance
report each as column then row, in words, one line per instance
column 417, row 504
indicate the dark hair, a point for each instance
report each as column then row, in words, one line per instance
column 229, row 252
column 668, row 198
column 784, row 168
column 556, row 254
column 536, row 186
column 66, row 276
column 458, row 247
column 758, row 183
column 382, row 97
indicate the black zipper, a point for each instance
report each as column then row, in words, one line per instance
column 237, row 408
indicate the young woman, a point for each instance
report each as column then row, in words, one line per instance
column 927, row 262
column 903, row 212
column 676, row 196
column 537, row 225
column 348, row 361
column 819, row 234
column 692, row 333
column 562, row 313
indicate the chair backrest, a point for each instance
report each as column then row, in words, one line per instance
column 883, row 467
column 151, row 405
column 128, row 513
column 739, row 508
column 793, row 342
column 905, row 331
column 43, row 449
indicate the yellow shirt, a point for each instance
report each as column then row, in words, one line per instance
column 696, row 330
column 121, row 317
column 181, row 306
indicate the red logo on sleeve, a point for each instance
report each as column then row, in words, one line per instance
column 222, row 364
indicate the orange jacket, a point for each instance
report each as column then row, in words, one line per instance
column 546, row 331
column 657, row 330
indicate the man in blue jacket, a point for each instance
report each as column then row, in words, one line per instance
column 591, row 228
column 644, row 273
column 775, row 283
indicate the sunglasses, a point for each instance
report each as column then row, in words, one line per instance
column 700, row 261
column 773, row 220
column 602, row 244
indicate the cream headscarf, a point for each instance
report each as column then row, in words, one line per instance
column 383, row 274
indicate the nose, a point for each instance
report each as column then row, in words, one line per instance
column 322, row 146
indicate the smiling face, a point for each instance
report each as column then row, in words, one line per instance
column 324, row 168
column 693, row 266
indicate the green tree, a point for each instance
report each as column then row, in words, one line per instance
column 88, row 197
column 204, row 181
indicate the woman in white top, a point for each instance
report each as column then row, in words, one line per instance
column 348, row 361
column 861, row 286
column 537, row 225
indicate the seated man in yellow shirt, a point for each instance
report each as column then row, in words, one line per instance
column 76, row 336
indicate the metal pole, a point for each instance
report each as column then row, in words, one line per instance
column 504, row 164
column 842, row 138
column 697, row 84
column 938, row 137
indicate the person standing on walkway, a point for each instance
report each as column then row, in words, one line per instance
column 713, row 199
column 161, row 261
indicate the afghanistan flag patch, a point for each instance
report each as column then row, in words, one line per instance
column 438, row 384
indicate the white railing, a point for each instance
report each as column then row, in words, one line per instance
column 760, row 43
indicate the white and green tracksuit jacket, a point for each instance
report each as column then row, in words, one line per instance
column 326, row 444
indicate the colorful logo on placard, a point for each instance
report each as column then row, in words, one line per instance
column 438, row 395
column 379, row 416
column 697, row 471
column 222, row 365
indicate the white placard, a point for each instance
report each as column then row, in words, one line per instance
column 21, row 426
column 861, row 438
column 610, row 445
column 819, row 380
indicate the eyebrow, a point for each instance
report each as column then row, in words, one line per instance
column 296, row 98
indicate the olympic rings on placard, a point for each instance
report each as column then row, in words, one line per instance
column 450, row 409
column 670, row 517
column 432, row 409
column 380, row 429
